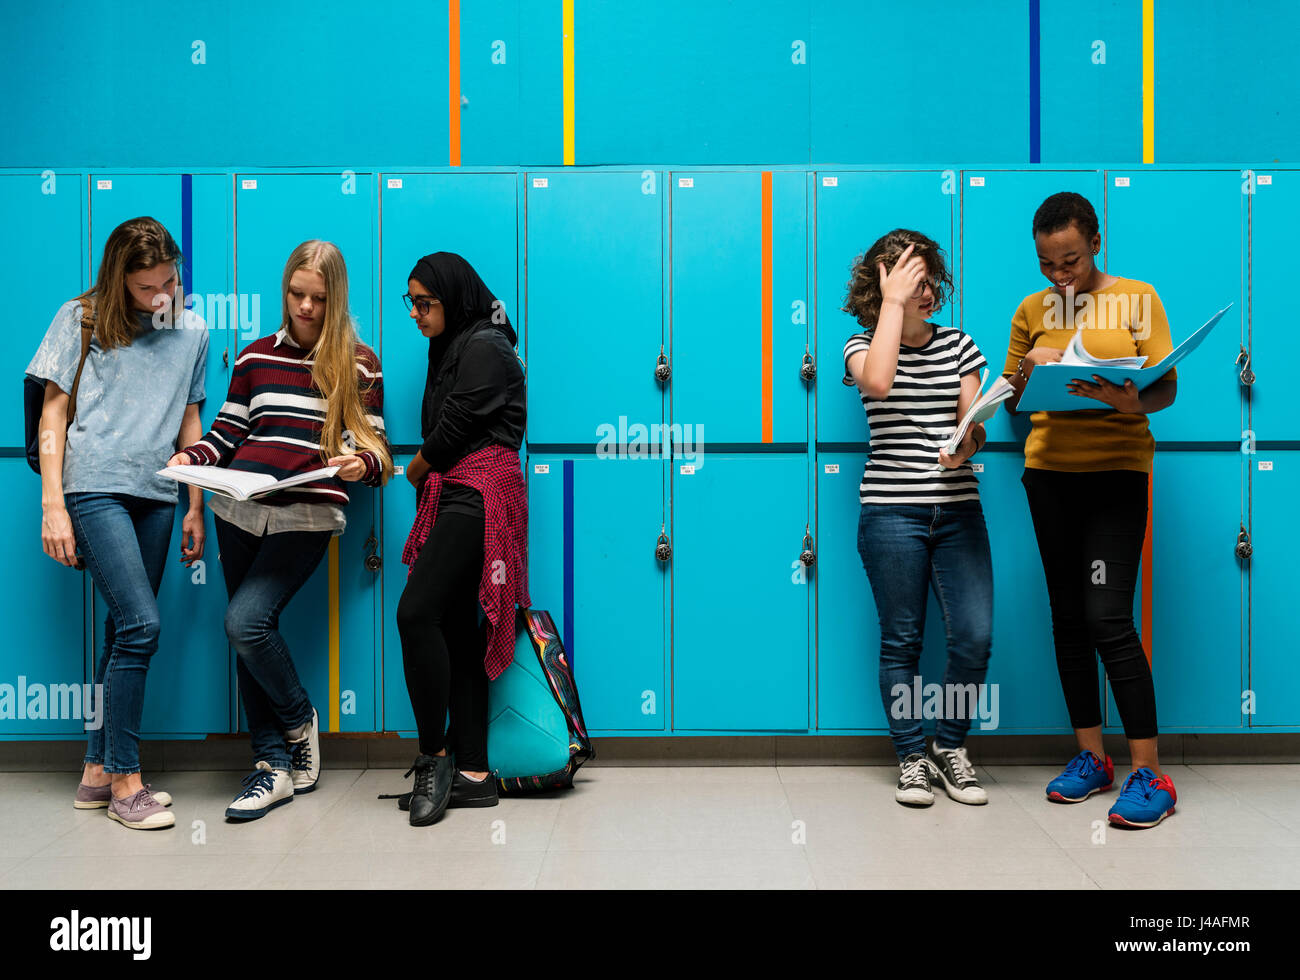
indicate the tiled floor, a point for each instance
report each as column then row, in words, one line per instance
column 1237, row 826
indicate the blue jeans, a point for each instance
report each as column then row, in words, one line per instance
column 262, row 574
column 906, row 549
column 123, row 540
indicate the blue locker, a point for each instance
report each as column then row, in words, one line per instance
column 398, row 516
column 540, row 138
column 473, row 214
column 1275, row 211
column 1274, row 670
column 275, row 213
column 1023, row 662
column 48, row 648
column 1149, row 207
column 999, row 264
column 731, row 85
column 598, row 575
column 719, row 305
column 189, row 686
column 1196, row 583
column 1091, row 82
column 595, row 303
column 965, row 73
column 491, row 52
column 48, row 208
column 741, row 598
column 848, row 627
column 853, row 210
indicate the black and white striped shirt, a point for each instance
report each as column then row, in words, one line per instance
column 911, row 424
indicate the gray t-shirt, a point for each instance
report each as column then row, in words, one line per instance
column 130, row 403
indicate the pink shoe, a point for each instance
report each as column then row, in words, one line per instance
column 94, row 797
column 140, row 812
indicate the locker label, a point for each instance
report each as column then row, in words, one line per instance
column 685, row 181
column 830, row 182
column 539, row 182
column 977, row 182
column 832, row 467
column 688, row 469
column 395, row 183
column 1121, row 181
column 248, row 185
column 1265, row 464
column 1264, row 179
column 398, row 470
column 541, row 467
column 103, row 185
column 977, row 467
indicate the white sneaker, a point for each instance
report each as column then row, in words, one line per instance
column 914, row 781
column 958, row 775
column 264, row 789
column 304, row 757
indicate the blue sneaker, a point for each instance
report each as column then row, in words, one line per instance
column 1145, row 800
column 1085, row 775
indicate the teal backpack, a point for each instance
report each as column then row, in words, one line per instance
column 536, row 739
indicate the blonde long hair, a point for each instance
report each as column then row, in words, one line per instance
column 140, row 243
column 334, row 370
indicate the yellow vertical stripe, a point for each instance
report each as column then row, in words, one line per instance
column 1148, row 81
column 334, row 633
column 568, row 83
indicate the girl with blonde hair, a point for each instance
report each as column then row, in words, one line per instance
column 306, row 397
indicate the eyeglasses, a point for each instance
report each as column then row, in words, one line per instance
column 423, row 303
column 919, row 291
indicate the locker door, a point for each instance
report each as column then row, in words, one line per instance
column 44, row 609
column 50, row 212
column 593, row 526
column 853, row 210
column 1275, row 211
column 1150, row 225
column 329, row 626
column 1274, row 669
column 739, row 305
column 595, row 303
column 1196, row 582
column 999, row 264
column 472, row 214
column 740, row 595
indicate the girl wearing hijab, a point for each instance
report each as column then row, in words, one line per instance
column 466, row 550
column 308, row 396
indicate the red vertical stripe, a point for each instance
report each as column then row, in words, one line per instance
column 453, row 80
column 766, row 305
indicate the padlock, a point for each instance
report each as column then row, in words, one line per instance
column 663, row 550
column 663, row 370
column 1244, row 549
column 808, row 370
column 807, row 556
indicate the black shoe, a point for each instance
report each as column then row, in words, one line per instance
column 432, row 790
column 466, row 792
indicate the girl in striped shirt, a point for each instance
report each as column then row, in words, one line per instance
column 310, row 395
column 921, row 520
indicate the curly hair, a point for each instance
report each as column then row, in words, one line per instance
column 863, row 299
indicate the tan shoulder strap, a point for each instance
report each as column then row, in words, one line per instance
column 87, row 331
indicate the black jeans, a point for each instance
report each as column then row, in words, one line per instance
column 443, row 643
column 1090, row 529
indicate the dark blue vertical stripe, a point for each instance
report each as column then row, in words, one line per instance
column 1035, row 107
column 187, row 232
column 568, row 559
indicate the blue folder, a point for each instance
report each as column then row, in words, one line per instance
column 1046, row 391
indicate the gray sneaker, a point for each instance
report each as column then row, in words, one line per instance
column 958, row 775
column 94, row 797
column 140, row 812
column 914, row 774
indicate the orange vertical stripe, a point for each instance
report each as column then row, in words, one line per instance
column 453, row 80
column 766, row 305
column 1146, row 567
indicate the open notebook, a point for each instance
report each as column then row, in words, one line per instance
column 240, row 484
column 981, row 409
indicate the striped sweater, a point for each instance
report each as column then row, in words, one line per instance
column 271, row 420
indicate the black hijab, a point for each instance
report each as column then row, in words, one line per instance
column 466, row 302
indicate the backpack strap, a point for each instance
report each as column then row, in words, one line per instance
column 87, row 331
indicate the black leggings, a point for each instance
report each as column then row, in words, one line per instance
column 1090, row 529
column 443, row 645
